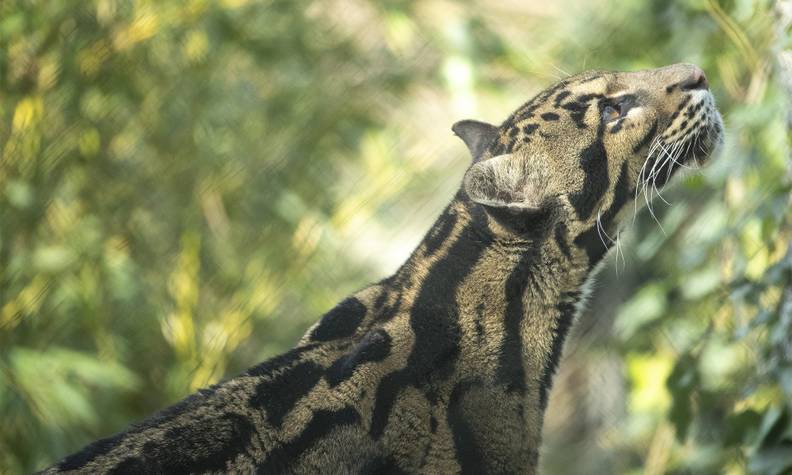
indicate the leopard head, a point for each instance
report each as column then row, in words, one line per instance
column 589, row 145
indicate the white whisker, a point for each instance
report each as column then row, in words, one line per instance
column 643, row 178
column 654, row 174
column 601, row 230
column 619, row 251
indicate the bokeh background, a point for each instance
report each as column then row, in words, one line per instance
column 185, row 186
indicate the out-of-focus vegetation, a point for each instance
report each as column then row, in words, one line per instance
column 186, row 185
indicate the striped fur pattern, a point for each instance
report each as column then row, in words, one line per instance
column 446, row 366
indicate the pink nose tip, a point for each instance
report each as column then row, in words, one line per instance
column 696, row 80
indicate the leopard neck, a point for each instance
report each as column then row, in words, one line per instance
column 489, row 302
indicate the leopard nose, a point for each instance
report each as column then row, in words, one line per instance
column 695, row 80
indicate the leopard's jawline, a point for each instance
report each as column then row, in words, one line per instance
column 691, row 151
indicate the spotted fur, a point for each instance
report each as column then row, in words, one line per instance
column 446, row 366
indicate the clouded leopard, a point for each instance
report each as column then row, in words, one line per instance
column 446, row 365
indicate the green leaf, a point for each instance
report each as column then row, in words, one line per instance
column 771, row 461
column 774, row 424
column 742, row 427
column 681, row 383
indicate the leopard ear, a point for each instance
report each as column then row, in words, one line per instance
column 507, row 181
column 478, row 136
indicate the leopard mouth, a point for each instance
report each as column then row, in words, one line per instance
column 694, row 133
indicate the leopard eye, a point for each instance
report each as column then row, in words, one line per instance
column 611, row 112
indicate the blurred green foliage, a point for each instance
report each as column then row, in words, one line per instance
column 186, row 185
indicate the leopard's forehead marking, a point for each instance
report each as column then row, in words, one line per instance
column 571, row 97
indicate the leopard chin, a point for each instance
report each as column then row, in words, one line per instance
column 691, row 139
